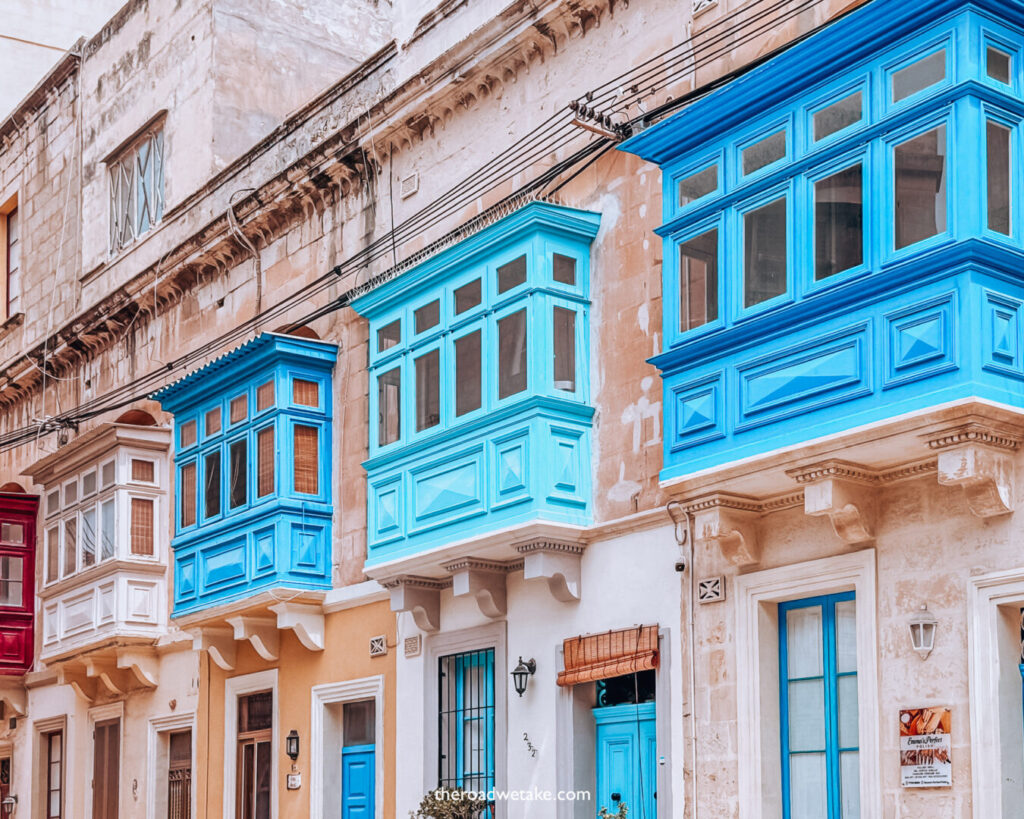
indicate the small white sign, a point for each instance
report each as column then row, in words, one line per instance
column 294, row 781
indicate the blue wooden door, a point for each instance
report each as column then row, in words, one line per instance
column 357, row 782
column 626, row 757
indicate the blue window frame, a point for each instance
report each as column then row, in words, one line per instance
column 479, row 391
column 253, row 466
column 818, row 707
column 466, row 720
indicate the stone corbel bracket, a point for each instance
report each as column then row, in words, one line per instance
column 556, row 562
column 731, row 522
column 115, row 680
column 843, row 491
column 484, row 580
column 261, row 632
column 78, row 678
column 305, row 620
column 142, row 663
column 420, row 596
column 15, row 700
column 219, row 643
column 979, row 459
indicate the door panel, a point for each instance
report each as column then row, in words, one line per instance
column 105, row 769
column 357, row 782
column 626, row 759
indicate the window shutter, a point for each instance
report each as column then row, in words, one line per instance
column 188, row 495
column 142, row 526
column 307, row 460
column 265, row 462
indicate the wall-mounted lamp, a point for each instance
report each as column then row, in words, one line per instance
column 291, row 745
column 922, row 631
column 9, row 805
column 521, row 675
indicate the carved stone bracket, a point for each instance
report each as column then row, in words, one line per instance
column 844, row 492
column 979, row 459
column 420, row 596
column 219, row 643
column 142, row 663
column 14, row 699
column 305, row 620
column 115, row 680
column 261, row 632
column 84, row 685
column 484, row 580
column 556, row 562
column 731, row 522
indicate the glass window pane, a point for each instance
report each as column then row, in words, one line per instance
column 467, row 373
column 358, row 723
column 187, row 434
column 804, row 642
column 765, row 152
column 564, row 334
column 262, row 781
column 467, row 296
column 848, row 718
column 428, row 390
column 512, row 354
column 698, row 185
column 88, row 483
column 563, row 269
column 698, row 280
column 211, row 486
column 429, row 315
column 997, row 65
column 88, row 537
column 10, row 581
column 143, row 471
column 70, row 545
column 837, row 116
column 12, row 533
column 52, row 553
column 187, row 489
column 849, row 784
column 265, row 455
column 920, row 168
column 53, row 502
column 238, row 409
column 838, row 222
column 141, row 525
column 306, row 393
column 808, row 787
column 107, row 473
column 919, row 75
column 306, row 447
column 807, row 715
column 264, row 396
column 107, row 533
column 389, row 400
column 71, row 493
column 846, row 636
column 764, row 253
column 512, row 274
column 238, row 492
column 212, row 423
column 389, row 336
column 997, row 176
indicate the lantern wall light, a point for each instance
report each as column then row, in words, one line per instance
column 521, row 674
column 291, row 744
column 922, row 631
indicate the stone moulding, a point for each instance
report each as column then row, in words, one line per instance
column 730, row 521
column 556, row 562
column 979, row 458
column 484, row 580
column 420, row 596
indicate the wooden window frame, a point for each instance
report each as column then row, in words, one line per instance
column 8, row 208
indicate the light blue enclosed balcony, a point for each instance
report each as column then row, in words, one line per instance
column 252, row 458
column 843, row 234
column 479, row 393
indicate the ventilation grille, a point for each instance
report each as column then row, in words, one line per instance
column 711, row 590
column 378, row 646
column 413, row 646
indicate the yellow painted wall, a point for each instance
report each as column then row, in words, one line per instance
column 346, row 657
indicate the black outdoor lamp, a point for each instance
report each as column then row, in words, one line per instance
column 291, row 744
column 521, row 675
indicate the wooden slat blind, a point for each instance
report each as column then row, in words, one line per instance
column 213, row 421
column 187, row 436
column 142, row 470
column 142, row 526
column 188, row 495
column 611, row 654
column 264, row 462
column 238, row 409
column 305, row 393
column 307, row 460
column 264, row 396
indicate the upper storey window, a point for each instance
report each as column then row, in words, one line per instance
column 479, row 384
column 252, row 462
column 136, row 175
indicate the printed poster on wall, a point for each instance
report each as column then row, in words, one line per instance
column 926, row 759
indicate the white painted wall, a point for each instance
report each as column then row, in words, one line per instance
column 626, row 581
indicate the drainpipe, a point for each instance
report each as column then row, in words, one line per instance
column 248, row 245
column 683, row 529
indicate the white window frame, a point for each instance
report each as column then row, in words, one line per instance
column 103, row 713
column 756, row 597
column 234, row 689
column 159, row 731
column 995, row 688
column 326, row 743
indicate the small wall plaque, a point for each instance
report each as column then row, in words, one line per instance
column 294, row 781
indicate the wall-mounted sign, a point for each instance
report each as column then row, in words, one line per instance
column 926, row 759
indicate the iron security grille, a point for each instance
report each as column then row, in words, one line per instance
column 179, row 776
column 466, row 721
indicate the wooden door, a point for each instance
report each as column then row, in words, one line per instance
column 105, row 768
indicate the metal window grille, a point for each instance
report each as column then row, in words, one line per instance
column 179, row 776
column 136, row 190
column 466, row 720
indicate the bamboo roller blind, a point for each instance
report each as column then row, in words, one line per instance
column 610, row 654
